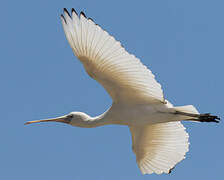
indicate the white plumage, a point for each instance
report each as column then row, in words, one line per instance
column 159, row 147
column 158, row 137
column 122, row 74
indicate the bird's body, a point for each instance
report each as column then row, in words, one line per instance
column 159, row 140
column 138, row 115
column 134, row 115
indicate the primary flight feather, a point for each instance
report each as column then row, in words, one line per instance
column 159, row 140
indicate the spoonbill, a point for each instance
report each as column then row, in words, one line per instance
column 159, row 139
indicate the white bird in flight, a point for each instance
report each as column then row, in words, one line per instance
column 159, row 140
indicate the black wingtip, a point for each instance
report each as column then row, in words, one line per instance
column 66, row 11
column 83, row 14
column 171, row 170
column 62, row 16
column 91, row 19
column 74, row 11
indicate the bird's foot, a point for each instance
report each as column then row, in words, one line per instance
column 208, row 118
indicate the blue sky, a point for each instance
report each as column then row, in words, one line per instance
column 180, row 41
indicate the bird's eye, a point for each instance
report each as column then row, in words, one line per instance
column 70, row 116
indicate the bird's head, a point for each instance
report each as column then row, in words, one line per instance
column 73, row 118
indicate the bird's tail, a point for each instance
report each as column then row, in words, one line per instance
column 187, row 109
column 189, row 112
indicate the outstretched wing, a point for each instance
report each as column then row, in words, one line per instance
column 124, row 77
column 159, row 147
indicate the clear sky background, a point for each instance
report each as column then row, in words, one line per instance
column 182, row 42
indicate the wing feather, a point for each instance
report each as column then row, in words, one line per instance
column 159, row 147
column 123, row 75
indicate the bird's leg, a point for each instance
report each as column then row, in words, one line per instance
column 207, row 117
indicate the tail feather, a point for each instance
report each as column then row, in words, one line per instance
column 187, row 109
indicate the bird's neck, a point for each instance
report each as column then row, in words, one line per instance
column 91, row 122
column 97, row 121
